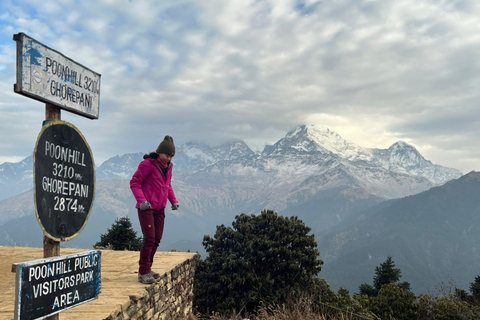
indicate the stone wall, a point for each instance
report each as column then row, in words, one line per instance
column 170, row 298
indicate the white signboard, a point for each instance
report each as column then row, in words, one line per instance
column 47, row 75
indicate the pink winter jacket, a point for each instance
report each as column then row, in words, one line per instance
column 149, row 184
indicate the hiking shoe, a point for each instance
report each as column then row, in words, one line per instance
column 146, row 278
column 155, row 275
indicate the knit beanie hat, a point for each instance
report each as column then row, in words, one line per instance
column 166, row 146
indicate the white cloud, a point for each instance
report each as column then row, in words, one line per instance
column 376, row 72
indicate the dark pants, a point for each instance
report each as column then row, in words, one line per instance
column 152, row 222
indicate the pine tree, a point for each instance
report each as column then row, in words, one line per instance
column 120, row 236
column 475, row 290
column 386, row 273
column 366, row 289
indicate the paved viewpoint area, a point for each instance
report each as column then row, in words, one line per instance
column 119, row 279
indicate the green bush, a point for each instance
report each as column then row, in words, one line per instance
column 263, row 258
column 394, row 302
column 446, row 308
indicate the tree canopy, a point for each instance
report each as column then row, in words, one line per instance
column 386, row 273
column 262, row 258
column 475, row 290
column 120, row 236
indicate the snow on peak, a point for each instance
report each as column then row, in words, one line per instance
column 327, row 139
column 198, row 151
column 400, row 146
column 405, row 155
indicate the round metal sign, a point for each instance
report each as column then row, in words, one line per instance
column 64, row 180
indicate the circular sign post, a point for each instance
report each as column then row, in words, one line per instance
column 64, row 180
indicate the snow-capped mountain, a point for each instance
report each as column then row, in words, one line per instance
column 317, row 139
column 404, row 158
column 400, row 158
column 189, row 158
column 308, row 160
column 194, row 156
column 312, row 172
column 119, row 167
column 316, row 151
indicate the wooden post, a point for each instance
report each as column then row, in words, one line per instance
column 52, row 112
column 51, row 248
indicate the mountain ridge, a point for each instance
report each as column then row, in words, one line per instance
column 427, row 241
column 307, row 162
column 311, row 173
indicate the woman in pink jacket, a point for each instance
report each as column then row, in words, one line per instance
column 151, row 187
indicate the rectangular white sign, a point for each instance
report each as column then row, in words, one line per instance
column 47, row 75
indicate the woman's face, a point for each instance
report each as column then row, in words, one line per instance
column 165, row 158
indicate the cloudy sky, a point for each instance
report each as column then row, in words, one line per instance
column 374, row 71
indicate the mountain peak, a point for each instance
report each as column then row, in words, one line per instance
column 405, row 155
column 402, row 145
column 318, row 138
column 312, row 130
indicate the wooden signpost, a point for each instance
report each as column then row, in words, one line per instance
column 64, row 179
